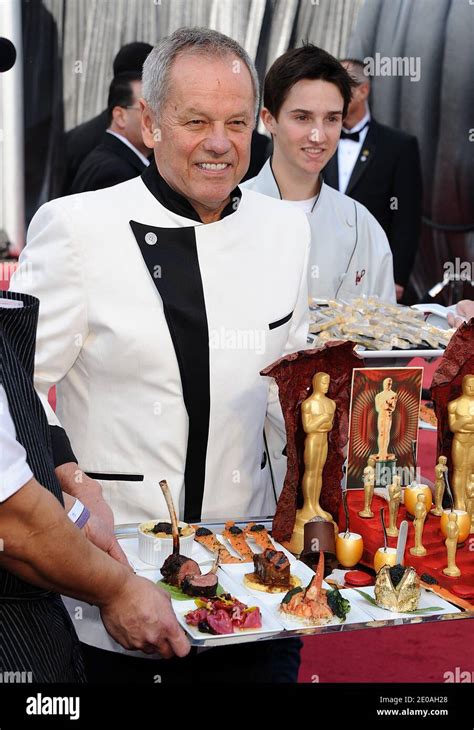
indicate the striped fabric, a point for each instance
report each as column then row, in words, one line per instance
column 36, row 633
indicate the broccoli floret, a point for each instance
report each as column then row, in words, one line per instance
column 339, row 606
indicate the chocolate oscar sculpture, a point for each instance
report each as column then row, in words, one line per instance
column 440, row 470
column 451, row 543
column 470, row 501
column 461, row 423
column 385, row 404
column 369, row 484
column 420, row 517
column 317, row 413
column 395, row 494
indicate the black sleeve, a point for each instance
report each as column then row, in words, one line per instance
column 62, row 449
column 405, row 228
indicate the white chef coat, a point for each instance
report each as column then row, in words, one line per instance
column 350, row 254
column 104, row 340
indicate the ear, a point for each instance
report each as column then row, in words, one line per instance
column 364, row 91
column 269, row 120
column 118, row 117
column 150, row 130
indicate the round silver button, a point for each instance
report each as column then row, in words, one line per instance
column 151, row 238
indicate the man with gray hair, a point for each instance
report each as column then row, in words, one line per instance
column 146, row 289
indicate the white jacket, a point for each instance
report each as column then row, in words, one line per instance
column 350, row 254
column 103, row 339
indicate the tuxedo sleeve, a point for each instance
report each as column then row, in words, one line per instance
column 404, row 234
column 51, row 269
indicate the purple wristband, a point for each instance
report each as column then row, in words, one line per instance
column 83, row 517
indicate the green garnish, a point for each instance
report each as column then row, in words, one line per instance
column 288, row 596
column 371, row 600
column 178, row 595
column 339, row 606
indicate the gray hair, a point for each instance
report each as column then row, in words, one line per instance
column 157, row 67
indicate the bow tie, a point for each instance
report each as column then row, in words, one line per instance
column 353, row 136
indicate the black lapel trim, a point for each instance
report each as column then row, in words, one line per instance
column 361, row 165
column 331, row 172
column 173, row 264
column 175, row 202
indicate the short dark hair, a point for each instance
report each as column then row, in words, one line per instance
column 131, row 57
column 307, row 62
column 121, row 92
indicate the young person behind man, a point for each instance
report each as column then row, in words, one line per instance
column 380, row 167
column 306, row 97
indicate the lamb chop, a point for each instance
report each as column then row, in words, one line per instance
column 181, row 571
column 176, row 567
column 204, row 586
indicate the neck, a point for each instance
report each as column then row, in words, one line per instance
column 355, row 117
column 209, row 215
column 293, row 184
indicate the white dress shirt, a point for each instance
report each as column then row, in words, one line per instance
column 14, row 470
column 348, row 152
column 123, row 139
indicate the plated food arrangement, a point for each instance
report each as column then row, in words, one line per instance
column 241, row 583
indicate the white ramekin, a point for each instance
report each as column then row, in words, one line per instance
column 154, row 550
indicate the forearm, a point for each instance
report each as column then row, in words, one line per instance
column 42, row 546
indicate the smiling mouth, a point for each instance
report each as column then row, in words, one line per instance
column 313, row 151
column 213, row 166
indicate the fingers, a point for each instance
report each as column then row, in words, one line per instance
column 179, row 642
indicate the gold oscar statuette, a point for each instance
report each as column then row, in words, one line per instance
column 440, row 470
column 420, row 517
column 369, row 484
column 461, row 423
column 451, row 543
column 317, row 413
column 395, row 495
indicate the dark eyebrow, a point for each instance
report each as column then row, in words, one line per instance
column 310, row 114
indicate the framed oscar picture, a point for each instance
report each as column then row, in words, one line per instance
column 383, row 424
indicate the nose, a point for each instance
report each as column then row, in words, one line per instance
column 317, row 133
column 217, row 141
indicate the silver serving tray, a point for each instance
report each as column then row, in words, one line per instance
column 129, row 530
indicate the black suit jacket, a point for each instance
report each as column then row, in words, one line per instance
column 111, row 162
column 388, row 182
column 79, row 142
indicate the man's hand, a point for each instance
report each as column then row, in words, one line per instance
column 100, row 531
column 100, row 535
column 140, row 617
column 464, row 312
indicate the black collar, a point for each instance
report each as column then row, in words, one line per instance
column 177, row 203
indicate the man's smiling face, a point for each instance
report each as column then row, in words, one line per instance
column 307, row 130
column 205, row 129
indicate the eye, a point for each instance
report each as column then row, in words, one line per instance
column 333, row 119
column 301, row 117
column 196, row 122
column 239, row 122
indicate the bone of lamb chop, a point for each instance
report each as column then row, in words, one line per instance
column 176, row 567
